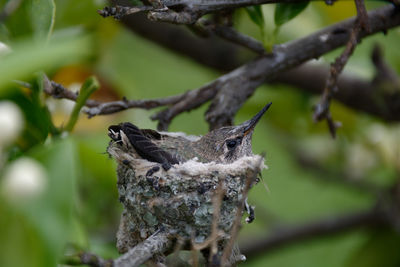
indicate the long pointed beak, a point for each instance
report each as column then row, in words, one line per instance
column 250, row 124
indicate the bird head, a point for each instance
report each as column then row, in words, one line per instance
column 227, row 144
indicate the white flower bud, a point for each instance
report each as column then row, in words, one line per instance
column 4, row 49
column 11, row 122
column 25, row 178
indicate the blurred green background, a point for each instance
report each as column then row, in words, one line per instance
column 73, row 205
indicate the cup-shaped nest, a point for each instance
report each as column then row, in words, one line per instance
column 179, row 200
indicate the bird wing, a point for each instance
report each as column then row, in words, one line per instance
column 143, row 144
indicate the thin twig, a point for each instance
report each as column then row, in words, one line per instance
column 175, row 254
column 385, row 76
column 226, row 255
column 212, row 241
column 195, row 257
column 356, row 93
column 212, row 51
column 190, row 100
column 230, row 34
column 217, row 202
column 215, row 235
column 362, row 15
column 322, row 108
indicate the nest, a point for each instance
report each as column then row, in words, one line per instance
column 179, row 200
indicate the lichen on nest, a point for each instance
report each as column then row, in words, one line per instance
column 179, row 200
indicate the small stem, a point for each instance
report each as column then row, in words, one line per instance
column 89, row 86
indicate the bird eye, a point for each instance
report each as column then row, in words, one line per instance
column 231, row 144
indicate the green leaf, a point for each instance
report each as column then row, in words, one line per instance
column 18, row 24
column 42, row 18
column 37, row 118
column 287, row 11
column 256, row 15
column 52, row 214
column 100, row 170
column 4, row 34
column 40, row 228
column 29, row 57
column 88, row 87
column 19, row 236
column 39, row 101
column 381, row 249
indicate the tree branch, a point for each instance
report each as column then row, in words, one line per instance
column 233, row 89
column 86, row 258
column 377, row 97
column 353, row 91
column 293, row 234
column 385, row 213
column 94, row 107
column 155, row 244
column 184, row 11
column 236, row 86
column 142, row 252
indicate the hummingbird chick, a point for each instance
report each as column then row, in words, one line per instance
column 182, row 198
column 223, row 145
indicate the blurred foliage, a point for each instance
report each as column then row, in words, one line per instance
column 90, row 85
column 287, row 11
column 256, row 15
column 379, row 250
column 42, row 16
column 79, row 208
